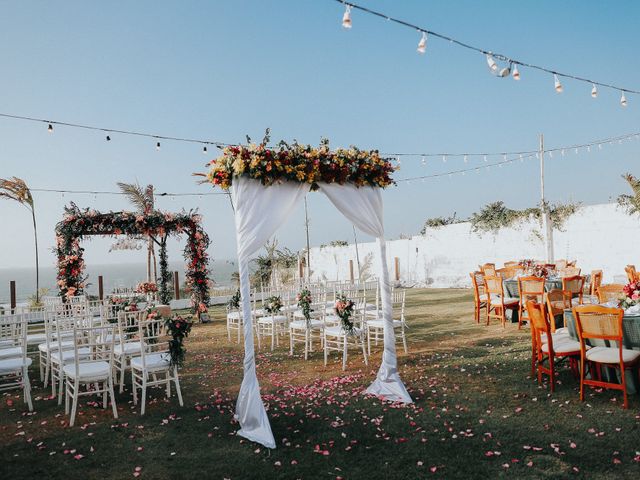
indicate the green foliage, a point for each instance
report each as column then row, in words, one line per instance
column 437, row 222
column 274, row 259
column 631, row 203
column 338, row 243
column 497, row 215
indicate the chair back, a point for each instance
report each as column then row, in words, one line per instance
column 13, row 331
column 573, row 284
column 558, row 301
column 632, row 275
column 97, row 341
column 398, row 298
column 539, row 321
column 510, row 264
column 561, row 264
column 531, row 288
column 477, row 282
column 596, row 281
column 128, row 324
column 570, row 272
column 152, row 333
column 612, row 291
column 489, row 269
column 597, row 322
column 494, row 285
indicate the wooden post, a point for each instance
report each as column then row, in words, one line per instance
column 351, row 270
column 12, row 290
column 176, row 286
column 100, row 288
column 397, row 265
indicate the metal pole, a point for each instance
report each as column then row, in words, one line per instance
column 546, row 224
column 355, row 238
column 306, row 226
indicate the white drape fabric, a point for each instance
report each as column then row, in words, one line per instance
column 363, row 207
column 259, row 211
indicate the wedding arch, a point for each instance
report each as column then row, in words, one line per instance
column 266, row 185
column 157, row 225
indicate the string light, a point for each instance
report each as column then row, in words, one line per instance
column 346, row 18
column 50, row 128
column 513, row 64
column 557, row 84
column 108, row 138
column 594, row 91
column 465, row 159
column 516, row 73
column 157, row 145
column 422, row 44
column 424, row 160
column 106, row 192
column 204, row 150
column 623, row 100
column 444, row 159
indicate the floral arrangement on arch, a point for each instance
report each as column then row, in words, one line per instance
column 631, row 295
column 344, row 309
column 146, row 287
column 77, row 224
column 300, row 163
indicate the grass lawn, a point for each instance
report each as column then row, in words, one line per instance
column 476, row 415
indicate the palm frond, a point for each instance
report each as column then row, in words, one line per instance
column 136, row 195
column 631, row 203
column 16, row 189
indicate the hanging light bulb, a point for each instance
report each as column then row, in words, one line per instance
column 204, row 149
column 444, row 159
column 521, row 159
column 623, row 100
column 50, row 128
column 594, row 91
column 515, row 74
column 466, row 158
column 346, row 18
column 108, row 138
column 557, row 84
column 157, row 145
column 550, row 153
column 493, row 66
column 422, row 44
column 485, row 158
column 424, row 160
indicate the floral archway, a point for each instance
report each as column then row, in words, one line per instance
column 266, row 185
column 77, row 224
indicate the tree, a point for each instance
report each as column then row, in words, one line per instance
column 16, row 189
column 144, row 202
column 631, row 203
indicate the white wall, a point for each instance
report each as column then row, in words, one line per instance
column 597, row 236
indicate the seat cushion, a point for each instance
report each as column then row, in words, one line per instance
column 338, row 331
column 69, row 355
column 10, row 352
column 91, row 371
column 612, row 355
column 128, row 348
column 302, row 324
column 274, row 319
column 53, row 346
column 234, row 316
column 379, row 323
column 564, row 346
column 10, row 365
column 36, row 338
column 495, row 300
column 153, row 361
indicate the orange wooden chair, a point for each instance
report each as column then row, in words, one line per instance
column 529, row 288
column 497, row 302
column 575, row 285
column 569, row 272
column 561, row 264
column 632, row 275
column 596, row 322
column 596, row 281
column 479, row 295
column 488, row 269
column 554, row 347
column 611, row 291
column 510, row 264
column 557, row 302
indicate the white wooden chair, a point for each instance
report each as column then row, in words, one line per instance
column 375, row 326
column 302, row 332
column 153, row 366
column 65, row 350
column 92, row 368
column 271, row 325
column 234, row 323
column 127, row 344
column 14, row 362
column 335, row 338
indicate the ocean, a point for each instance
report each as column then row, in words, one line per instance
column 114, row 275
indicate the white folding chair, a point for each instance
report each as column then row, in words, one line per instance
column 336, row 338
column 91, row 363
column 301, row 331
column 153, row 366
column 14, row 362
column 375, row 326
column 127, row 344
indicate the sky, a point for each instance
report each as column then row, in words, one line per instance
column 221, row 70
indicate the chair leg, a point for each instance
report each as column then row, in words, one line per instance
column 404, row 340
column 364, row 353
column 26, row 387
column 74, row 405
column 623, row 381
column 134, row 388
column 66, row 402
column 144, row 392
column 369, row 339
column 123, row 367
column 325, row 349
column 177, row 382
column 306, row 344
column 552, row 374
column 168, row 385
column 582, row 374
column 113, row 397
column 61, row 383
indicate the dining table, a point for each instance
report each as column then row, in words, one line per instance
column 630, row 340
